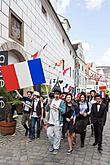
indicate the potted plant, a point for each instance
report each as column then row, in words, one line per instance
column 8, row 125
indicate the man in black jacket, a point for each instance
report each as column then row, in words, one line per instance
column 98, row 116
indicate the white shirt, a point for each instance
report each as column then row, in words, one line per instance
column 54, row 112
column 35, row 105
column 90, row 105
column 26, row 108
column 92, row 101
column 98, row 107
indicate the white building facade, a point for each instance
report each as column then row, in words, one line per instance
column 91, row 76
column 26, row 26
column 80, row 68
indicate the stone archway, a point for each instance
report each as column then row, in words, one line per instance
column 15, row 48
column 16, row 54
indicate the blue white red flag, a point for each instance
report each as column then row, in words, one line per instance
column 23, row 75
column 102, row 93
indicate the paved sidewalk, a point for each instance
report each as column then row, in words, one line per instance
column 19, row 150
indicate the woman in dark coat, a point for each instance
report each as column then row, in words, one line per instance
column 82, row 117
column 70, row 117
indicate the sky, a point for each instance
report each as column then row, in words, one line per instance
column 90, row 24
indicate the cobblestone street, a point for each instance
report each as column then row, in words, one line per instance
column 54, row 64
column 19, row 150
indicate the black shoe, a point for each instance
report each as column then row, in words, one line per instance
column 26, row 133
column 95, row 143
column 32, row 138
column 92, row 134
column 38, row 137
column 100, row 152
column 100, row 148
column 82, row 145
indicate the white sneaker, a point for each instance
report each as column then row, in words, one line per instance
column 51, row 149
column 55, row 152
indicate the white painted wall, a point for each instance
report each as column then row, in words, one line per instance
column 39, row 30
column 82, row 74
column 54, row 4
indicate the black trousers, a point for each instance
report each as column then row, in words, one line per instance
column 82, row 136
column 63, row 128
column 98, row 130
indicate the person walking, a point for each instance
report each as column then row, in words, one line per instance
column 55, row 108
column 36, row 115
column 27, row 105
column 70, row 117
column 82, row 117
column 98, row 116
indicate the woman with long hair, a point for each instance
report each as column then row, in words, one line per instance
column 70, row 117
column 82, row 116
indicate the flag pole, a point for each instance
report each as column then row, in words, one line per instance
column 47, row 90
column 40, row 50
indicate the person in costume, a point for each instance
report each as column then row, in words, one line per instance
column 55, row 108
column 98, row 116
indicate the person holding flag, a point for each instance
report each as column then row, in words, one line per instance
column 27, row 105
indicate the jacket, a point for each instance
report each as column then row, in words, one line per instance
column 38, row 108
column 79, row 116
column 62, row 109
column 100, row 116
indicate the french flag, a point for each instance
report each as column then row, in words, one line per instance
column 23, row 75
column 102, row 93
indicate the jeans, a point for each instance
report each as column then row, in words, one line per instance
column 33, row 123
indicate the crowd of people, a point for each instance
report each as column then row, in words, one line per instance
column 64, row 116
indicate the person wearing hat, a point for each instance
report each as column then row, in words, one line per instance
column 36, row 115
column 55, row 108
